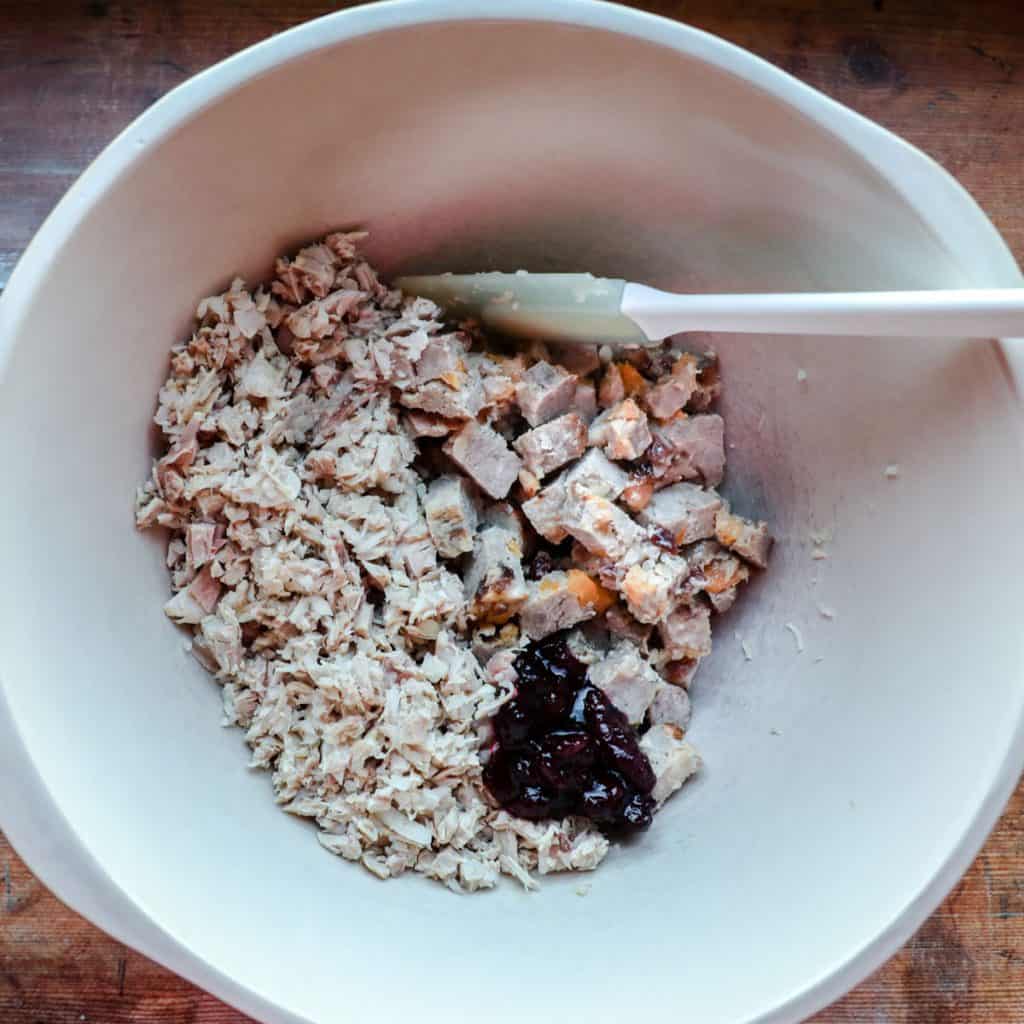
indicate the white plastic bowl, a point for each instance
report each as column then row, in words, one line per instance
column 846, row 787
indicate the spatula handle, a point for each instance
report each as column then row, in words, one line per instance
column 967, row 313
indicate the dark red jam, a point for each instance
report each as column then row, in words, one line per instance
column 563, row 748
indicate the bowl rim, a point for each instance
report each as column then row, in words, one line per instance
column 32, row 818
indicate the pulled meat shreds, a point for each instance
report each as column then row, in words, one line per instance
column 370, row 515
column 302, row 560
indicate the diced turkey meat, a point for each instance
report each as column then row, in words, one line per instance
column 671, row 394
column 686, row 631
column 598, row 474
column 628, row 679
column 688, row 448
column 685, row 511
column 560, row 600
column 599, row 524
column 611, row 390
column 671, row 706
column 621, row 431
column 544, row 392
column 200, row 541
column 638, row 492
column 621, row 623
column 459, row 401
column 748, row 539
column 553, row 444
column 429, row 424
column 451, row 516
column 507, row 516
column 681, row 672
column 581, row 360
column 716, row 572
column 443, row 359
column 721, row 601
column 485, row 457
column 375, row 516
column 585, row 401
column 494, row 582
column 544, row 511
column 652, row 587
column 671, row 757
column 500, row 375
column 608, row 571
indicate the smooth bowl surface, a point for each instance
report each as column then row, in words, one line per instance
column 846, row 785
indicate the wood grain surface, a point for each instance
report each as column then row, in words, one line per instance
column 948, row 75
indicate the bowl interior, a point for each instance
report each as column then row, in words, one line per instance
column 838, row 778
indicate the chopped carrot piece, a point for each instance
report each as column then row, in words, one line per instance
column 632, row 381
column 589, row 592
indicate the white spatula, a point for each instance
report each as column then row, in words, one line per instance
column 596, row 310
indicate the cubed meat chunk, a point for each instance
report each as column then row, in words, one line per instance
column 461, row 400
column 618, row 621
column 598, row 474
column 451, row 516
column 688, row 448
column 544, row 392
column 670, row 394
column 621, row 431
column 545, row 512
column 499, row 375
column 552, row 444
column 748, row 539
column 483, row 455
column 494, row 583
column 684, row 511
column 716, row 571
column 505, row 515
column 671, row 757
column 628, row 680
column 429, row 424
column 671, row 705
column 585, row 402
column 686, row 631
column 444, row 359
column 579, row 359
column 681, row 672
column 652, row 587
column 598, row 524
column 560, row 600
column 612, row 389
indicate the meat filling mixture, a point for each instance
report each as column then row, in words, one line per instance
column 454, row 593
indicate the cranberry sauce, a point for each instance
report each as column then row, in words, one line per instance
column 564, row 748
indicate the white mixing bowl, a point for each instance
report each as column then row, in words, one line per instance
column 846, row 787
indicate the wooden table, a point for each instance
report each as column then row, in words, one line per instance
column 946, row 74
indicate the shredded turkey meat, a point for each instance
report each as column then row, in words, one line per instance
column 336, row 461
